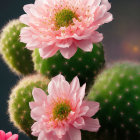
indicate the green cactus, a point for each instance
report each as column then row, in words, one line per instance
column 84, row 64
column 117, row 90
column 14, row 53
column 20, row 97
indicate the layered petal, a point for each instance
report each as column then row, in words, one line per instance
column 61, row 114
column 91, row 124
column 74, row 133
column 65, row 34
column 69, row 52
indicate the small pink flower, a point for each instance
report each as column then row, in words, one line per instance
column 7, row 136
column 61, row 114
column 64, row 25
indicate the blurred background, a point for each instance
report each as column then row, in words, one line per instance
column 121, row 42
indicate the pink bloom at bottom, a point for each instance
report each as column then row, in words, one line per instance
column 61, row 114
column 7, row 136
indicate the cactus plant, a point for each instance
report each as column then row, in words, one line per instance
column 20, row 97
column 85, row 65
column 13, row 51
column 118, row 91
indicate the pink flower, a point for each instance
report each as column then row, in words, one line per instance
column 7, row 136
column 64, row 25
column 61, row 114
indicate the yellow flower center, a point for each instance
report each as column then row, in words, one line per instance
column 61, row 110
column 64, row 18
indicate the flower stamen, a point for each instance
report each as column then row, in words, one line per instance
column 64, row 18
column 61, row 110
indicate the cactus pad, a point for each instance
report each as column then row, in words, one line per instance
column 14, row 53
column 117, row 90
column 20, row 97
column 84, row 64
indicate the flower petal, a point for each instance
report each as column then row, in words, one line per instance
column 79, row 123
column 91, row 124
column 48, row 51
column 14, row 137
column 58, row 87
column 96, row 37
column 81, row 93
column 74, row 85
column 74, row 133
column 37, row 113
column 93, row 108
column 2, row 135
column 107, row 4
column 68, row 52
column 85, row 45
column 39, row 95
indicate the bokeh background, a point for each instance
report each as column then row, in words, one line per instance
column 121, row 42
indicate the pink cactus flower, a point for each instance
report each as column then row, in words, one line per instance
column 61, row 114
column 7, row 136
column 64, row 25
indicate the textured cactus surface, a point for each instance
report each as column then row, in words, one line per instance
column 117, row 90
column 13, row 51
column 84, row 64
column 20, row 97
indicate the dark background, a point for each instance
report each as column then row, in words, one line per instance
column 121, row 42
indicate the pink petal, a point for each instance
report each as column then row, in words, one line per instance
column 14, row 137
column 107, row 4
column 100, row 12
column 93, row 108
column 59, row 87
column 96, row 37
column 27, row 7
column 48, row 51
column 2, row 135
column 81, row 93
column 42, row 136
column 35, row 129
column 85, row 45
column 79, row 123
column 64, row 43
column 8, row 135
column 68, row 52
column 39, row 95
column 74, row 133
column 91, row 124
column 37, row 113
column 66, row 137
column 83, row 110
column 24, row 19
column 60, row 131
column 74, row 85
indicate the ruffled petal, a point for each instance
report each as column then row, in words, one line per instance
column 37, row 113
column 59, row 87
column 79, row 123
column 74, row 85
column 48, row 51
column 39, row 95
column 85, row 45
column 2, row 135
column 93, row 108
column 68, row 52
column 91, row 124
column 14, row 137
column 8, row 135
column 74, row 133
